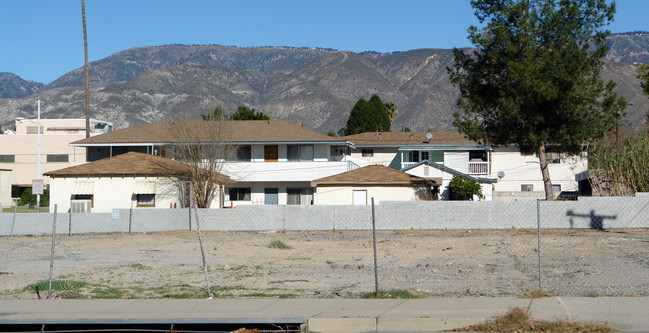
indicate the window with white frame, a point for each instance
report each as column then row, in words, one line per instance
column 527, row 187
column 367, row 152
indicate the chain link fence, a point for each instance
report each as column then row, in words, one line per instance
column 590, row 247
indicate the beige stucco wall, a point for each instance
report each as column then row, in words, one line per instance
column 524, row 169
column 24, row 148
column 115, row 192
column 343, row 195
column 5, row 188
column 55, row 139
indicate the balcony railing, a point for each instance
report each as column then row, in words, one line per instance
column 478, row 168
column 474, row 168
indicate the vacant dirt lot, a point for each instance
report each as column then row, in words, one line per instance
column 329, row 264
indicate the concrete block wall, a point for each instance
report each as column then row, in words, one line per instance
column 588, row 212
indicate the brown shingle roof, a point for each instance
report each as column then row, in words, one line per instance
column 232, row 131
column 371, row 175
column 407, row 138
column 128, row 164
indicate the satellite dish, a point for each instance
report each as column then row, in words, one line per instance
column 501, row 174
column 429, row 136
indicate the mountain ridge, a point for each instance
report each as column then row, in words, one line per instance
column 316, row 87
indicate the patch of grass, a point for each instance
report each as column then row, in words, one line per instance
column 23, row 209
column 284, row 281
column 518, row 320
column 139, row 266
column 536, row 294
column 107, row 293
column 180, row 296
column 227, row 288
column 57, row 285
column 393, row 293
column 278, row 244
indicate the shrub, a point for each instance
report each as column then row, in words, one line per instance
column 464, row 188
column 278, row 244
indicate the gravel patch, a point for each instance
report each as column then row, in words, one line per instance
column 332, row 264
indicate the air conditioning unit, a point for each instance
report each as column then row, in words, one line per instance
column 80, row 206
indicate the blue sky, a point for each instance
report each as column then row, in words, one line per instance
column 43, row 39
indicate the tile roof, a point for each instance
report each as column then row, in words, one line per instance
column 234, row 131
column 128, row 164
column 407, row 138
column 371, row 175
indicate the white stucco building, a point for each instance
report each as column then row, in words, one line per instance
column 130, row 180
column 382, row 183
column 504, row 172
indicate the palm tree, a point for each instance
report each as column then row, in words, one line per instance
column 392, row 110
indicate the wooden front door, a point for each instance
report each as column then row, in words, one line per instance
column 270, row 153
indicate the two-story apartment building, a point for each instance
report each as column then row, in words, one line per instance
column 19, row 148
column 271, row 161
column 506, row 173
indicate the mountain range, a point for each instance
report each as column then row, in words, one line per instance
column 315, row 87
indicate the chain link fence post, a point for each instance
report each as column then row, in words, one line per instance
column 49, row 289
column 538, row 232
column 376, row 269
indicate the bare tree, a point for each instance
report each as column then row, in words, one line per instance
column 204, row 146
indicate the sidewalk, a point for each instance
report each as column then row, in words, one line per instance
column 627, row 314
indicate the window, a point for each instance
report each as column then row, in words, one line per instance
column 240, row 194
column 89, row 197
column 477, row 155
column 296, row 153
column 367, row 152
column 299, row 196
column 53, row 158
column 553, row 157
column 244, row 153
column 8, row 158
column 34, row 129
column 556, row 188
column 412, row 156
column 527, row 187
column 146, row 200
column 425, row 155
column 293, row 153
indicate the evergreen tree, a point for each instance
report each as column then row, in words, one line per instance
column 243, row 113
column 368, row 116
column 534, row 79
column 643, row 75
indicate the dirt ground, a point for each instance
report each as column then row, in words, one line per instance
column 328, row 264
